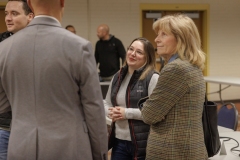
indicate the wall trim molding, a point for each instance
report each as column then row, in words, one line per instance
column 3, row 4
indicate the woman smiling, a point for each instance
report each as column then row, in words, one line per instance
column 135, row 80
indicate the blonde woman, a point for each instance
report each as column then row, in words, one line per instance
column 174, row 109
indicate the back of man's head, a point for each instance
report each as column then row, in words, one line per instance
column 71, row 28
column 52, row 8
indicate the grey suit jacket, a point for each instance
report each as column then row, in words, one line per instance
column 48, row 76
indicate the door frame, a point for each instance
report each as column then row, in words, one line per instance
column 3, row 4
column 2, row 7
column 184, row 7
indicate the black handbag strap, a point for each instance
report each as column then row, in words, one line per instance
column 205, row 103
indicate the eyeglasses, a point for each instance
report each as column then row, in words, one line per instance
column 131, row 50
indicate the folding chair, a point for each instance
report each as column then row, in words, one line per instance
column 228, row 116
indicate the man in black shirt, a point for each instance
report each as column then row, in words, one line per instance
column 108, row 52
column 17, row 16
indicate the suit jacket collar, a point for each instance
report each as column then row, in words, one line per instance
column 45, row 20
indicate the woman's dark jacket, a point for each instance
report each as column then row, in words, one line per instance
column 136, row 89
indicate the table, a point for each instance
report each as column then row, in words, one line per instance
column 228, row 145
column 104, row 88
column 223, row 129
column 229, row 81
column 106, row 83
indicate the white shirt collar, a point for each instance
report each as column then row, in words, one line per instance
column 48, row 17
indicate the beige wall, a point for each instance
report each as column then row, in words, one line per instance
column 123, row 17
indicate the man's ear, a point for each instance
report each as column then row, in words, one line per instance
column 30, row 17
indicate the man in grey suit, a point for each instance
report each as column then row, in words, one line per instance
column 48, row 78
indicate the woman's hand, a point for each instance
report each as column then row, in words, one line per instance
column 117, row 113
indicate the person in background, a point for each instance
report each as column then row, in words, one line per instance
column 174, row 109
column 71, row 28
column 46, row 77
column 136, row 79
column 108, row 51
column 17, row 16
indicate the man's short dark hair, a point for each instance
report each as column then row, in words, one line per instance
column 69, row 26
column 26, row 8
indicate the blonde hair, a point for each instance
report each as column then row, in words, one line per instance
column 187, row 36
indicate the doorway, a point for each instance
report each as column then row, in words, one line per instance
column 199, row 14
column 3, row 27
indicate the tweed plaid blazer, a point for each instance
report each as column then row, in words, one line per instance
column 174, row 111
